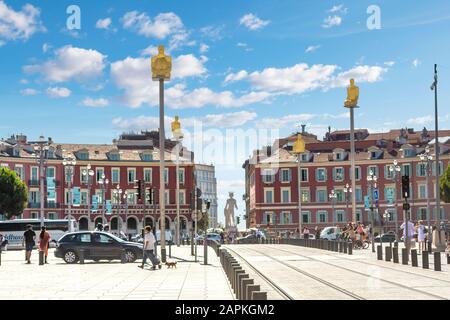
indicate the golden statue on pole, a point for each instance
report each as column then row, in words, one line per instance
column 161, row 65
column 176, row 128
column 299, row 145
column 352, row 95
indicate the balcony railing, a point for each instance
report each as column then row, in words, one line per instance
column 49, row 205
column 36, row 182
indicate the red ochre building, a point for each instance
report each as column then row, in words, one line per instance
column 271, row 175
column 132, row 157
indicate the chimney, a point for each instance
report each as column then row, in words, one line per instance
column 303, row 128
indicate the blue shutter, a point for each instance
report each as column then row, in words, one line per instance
column 289, row 175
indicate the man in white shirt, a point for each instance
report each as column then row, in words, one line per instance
column 149, row 246
column 407, row 239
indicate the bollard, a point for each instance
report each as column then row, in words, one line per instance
column 241, row 277
column 205, row 253
column 425, row 260
column 243, row 289
column 404, row 256
column 345, row 246
column 81, row 256
column 429, row 243
column 170, row 249
column 41, row 258
column 379, row 253
column 0, row 254
column 388, row 253
column 234, row 269
column 414, row 258
column 448, row 259
column 437, row 261
column 235, row 280
column 250, row 289
column 341, row 248
column 396, row 243
column 259, row 295
column 395, row 254
column 350, row 248
column 336, row 246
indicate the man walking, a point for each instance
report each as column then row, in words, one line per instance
column 149, row 245
column 28, row 242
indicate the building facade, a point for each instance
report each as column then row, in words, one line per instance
column 272, row 195
column 131, row 158
column 206, row 180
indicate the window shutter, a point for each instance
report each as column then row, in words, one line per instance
column 289, row 175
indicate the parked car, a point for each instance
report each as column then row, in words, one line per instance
column 386, row 237
column 96, row 246
column 210, row 236
column 310, row 236
column 330, row 233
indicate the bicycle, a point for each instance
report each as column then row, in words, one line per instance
column 359, row 244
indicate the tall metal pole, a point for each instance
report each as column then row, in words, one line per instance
column 103, row 202
column 178, row 193
column 299, row 196
column 41, row 187
column 396, row 204
column 371, row 216
column 70, row 198
column 436, row 137
column 352, row 160
column 428, row 200
column 161, row 171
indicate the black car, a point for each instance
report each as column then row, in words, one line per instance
column 386, row 237
column 96, row 246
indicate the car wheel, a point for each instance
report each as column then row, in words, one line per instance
column 70, row 257
column 130, row 256
column 96, row 260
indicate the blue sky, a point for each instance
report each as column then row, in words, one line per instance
column 237, row 65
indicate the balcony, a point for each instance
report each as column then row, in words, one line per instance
column 36, row 183
column 48, row 205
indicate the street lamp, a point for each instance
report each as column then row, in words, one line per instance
column 88, row 174
column 372, row 180
column 299, row 148
column 41, row 149
column 104, row 185
column 348, row 194
column 427, row 160
column 125, row 199
column 69, row 168
column 178, row 135
column 118, row 196
column 333, row 197
column 395, row 170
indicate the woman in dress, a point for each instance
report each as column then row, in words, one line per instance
column 44, row 240
column 421, row 236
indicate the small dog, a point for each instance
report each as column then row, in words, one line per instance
column 171, row 264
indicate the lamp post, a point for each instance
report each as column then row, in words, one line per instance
column 69, row 167
column 161, row 67
column 299, row 148
column 178, row 135
column 104, row 184
column 347, row 193
column 372, row 180
column 88, row 173
column 333, row 197
column 395, row 170
column 118, row 196
column 125, row 199
column 41, row 148
column 427, row 160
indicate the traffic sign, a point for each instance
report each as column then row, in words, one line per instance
column 375, row 194
column 367, row 202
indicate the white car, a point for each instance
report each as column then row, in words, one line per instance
column 330, row 233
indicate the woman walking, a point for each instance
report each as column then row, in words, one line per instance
column 421, row 236
column 44, row 240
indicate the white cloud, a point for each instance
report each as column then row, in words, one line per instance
column 312, row 48
column 29, row 92
column 244, row 46
column 103, row 23
column 212, row 32
column 389, row 63
column 331, row 21
column 252, row 22
column 416, row 62
column 360, row 74
column 90, row 102
column 149, row 51
column 179, row 40
column 46, row 47
column 338, row 8
column 21, row 24
column 236, row 76
column 421, row 120
column 56, row 92
column 203, row 48
column 163, row 25
column 285, row 121
column 70, row 63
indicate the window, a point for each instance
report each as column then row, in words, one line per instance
column 99, row 172
column 99, row 194
column 339, row 216
column 148, row 175
column 83, row 155
column 421, row 169
column 285, row 175
column 268, row 218
column 441, row 215
column 388, row 174
column 392, row 214
column 285, row 195
column 306, row 196
column 374, row 170
column 131, row 197
column 304, row 174
column 422, row 191
column 321, row 174
column 20, row 172
column 51, row 216
column 131, row 175
column 34, row 173
column 422, row 214
column 321, row 196
column 306, row 217
column 182, row 197
column 115, row 175
column 406, row 170
column 286, row 218
column 268, row 175
column 304, row 157
column 268, row 195
column 166, row 175
column 339, row 156
column 340, row 195
column 358, row 173
column 434, row 168
column 358, row 195
column 166, row 196
column 358, row 215
column 34, row 215
column 84, row 197
column 338, row 174
column 114, row 156
column 322, row 216
column 34, row 197
column 147, row 157
column 389, row 194
column 374, row 155
column 101, row 238
column 408, row 153
column 181, row 175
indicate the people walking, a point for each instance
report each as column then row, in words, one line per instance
column 149, row 246
column 305, row 233
column 29, row 238
column 317, row 232
column 44, row 240
column 421, row 236
column 407, row 239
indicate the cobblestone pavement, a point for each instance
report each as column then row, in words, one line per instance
column 307, row 273
column 113, row 280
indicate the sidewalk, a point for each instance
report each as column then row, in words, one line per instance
column 113, row 280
